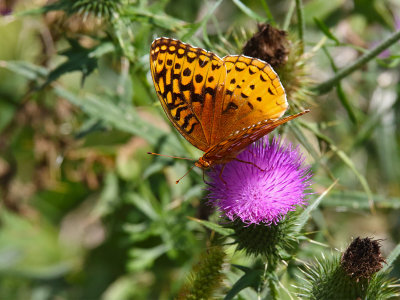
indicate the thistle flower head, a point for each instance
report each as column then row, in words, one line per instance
column 263, row 190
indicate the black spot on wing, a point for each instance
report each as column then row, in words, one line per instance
column 231, row 106
column 238, row 69
column 180, row 55
column 197, row 98
column 198, row 78
column 190, row 59
column 215, row 67
column 210, row 91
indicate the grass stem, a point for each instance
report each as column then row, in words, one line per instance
column 326, row 86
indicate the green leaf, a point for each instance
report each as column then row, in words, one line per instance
column 25, row 69
column 359, row 200
column 79, row 59
column 109, row 197
column 343, row 156
column 270, row 17
column 339, row 90
column 391, row 258
column 251, row 278
column 248, row 11
column 321, row 25
column 142, row 258
column 144, row 205
column 213, row 226
column 123, row 118
column 158, row 18
column 203, row 22
column 306, row 214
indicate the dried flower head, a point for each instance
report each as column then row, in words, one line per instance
column 362, row 258
column 269, row 44
column 284, row 53
column 262, row 194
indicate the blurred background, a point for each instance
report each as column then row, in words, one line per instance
column 85, row 213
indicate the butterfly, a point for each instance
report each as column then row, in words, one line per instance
column 219, row 105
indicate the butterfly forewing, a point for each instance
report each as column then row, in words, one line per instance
column 188, row 82
column 253, row 94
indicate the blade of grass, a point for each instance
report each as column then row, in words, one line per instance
column 289, row 15
column 306, row 214
column 270, row 18
column 359, row 200
column 122, row 118
column 202, row 23
column 321, row 25
column 294, row 126
column 213, row 226
column 339, row 90
column 248, row 11
column 326, row 86
column 391, row 258
column 347, row 161
column 300, row 22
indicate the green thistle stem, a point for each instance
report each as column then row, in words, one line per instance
column 301, row 25
column 273, row 286
column 326, row 86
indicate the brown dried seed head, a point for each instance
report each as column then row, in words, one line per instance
column 362, row 258
column 269, row 44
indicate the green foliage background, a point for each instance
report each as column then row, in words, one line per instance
column 87, row 214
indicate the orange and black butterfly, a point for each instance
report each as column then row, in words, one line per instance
column 219, row 105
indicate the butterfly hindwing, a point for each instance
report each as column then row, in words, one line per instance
column 253, row 94
column 231, row 147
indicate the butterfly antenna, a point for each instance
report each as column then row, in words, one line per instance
column 184, row 174
column 152, row 153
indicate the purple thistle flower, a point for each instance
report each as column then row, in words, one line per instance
column 261, row 196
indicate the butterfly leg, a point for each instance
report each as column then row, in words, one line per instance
column 220, row 173
column 251, row 152
column 249, row 162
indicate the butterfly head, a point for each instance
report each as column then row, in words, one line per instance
column 203, row 163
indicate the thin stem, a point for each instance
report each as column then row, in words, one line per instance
column 289, row 15
column 326, row 86
column 300, row 22
column 268, row 12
